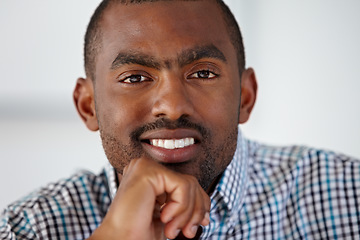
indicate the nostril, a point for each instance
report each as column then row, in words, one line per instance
column 160, row 115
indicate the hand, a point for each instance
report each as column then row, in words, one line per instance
column 154, row 202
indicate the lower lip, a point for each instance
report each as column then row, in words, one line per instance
column 177, row 155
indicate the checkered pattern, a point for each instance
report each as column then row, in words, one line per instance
column 265, row 193
column 286, row 193
column 69, row 209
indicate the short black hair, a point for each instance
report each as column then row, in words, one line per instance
column 93, row 34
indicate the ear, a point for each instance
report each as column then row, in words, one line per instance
column 248, row 94
column 85, row 103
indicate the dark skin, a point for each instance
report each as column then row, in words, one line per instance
column 165, row 71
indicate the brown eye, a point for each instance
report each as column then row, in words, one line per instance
column 135, row 79
column 203, row 74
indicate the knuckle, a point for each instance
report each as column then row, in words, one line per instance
column 193, row 180
column 186, row 186
column 199, row 215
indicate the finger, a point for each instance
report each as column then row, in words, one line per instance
column 178, row 210
column 207, row 204
column 174, row 226
column 198, row 215
column 180, row 199
column 125, row 169
column 206, row 219
column 178, row 214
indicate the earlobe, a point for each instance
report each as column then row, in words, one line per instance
column 248, row 94
column 83, row 96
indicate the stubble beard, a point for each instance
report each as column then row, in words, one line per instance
column 209, row 164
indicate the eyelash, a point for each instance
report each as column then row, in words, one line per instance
column 142, row 79
column 211, row 75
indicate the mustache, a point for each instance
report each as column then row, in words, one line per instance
column 182, row 122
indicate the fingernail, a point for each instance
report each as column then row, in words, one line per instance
column 194, row 229
column 207, row 216
column 177, row 232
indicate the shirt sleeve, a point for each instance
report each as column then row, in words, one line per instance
column 15, row 225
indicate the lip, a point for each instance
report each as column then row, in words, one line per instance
column 179, row 155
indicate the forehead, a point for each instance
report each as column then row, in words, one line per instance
column 162, row 28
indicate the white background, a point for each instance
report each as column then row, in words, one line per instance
column 306, row 55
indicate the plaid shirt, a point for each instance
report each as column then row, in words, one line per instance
column 265, row 193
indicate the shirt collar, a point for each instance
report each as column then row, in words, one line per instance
column 232, row 186
column 111, row 177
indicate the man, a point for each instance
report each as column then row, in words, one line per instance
column 166, row 86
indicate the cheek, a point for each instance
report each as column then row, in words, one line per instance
column 119, row 114
column 221, row 109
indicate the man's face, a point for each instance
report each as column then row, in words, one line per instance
column 168, row 87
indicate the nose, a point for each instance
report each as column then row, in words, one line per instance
column 172, row 99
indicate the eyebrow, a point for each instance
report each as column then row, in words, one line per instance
column 200, row 52
column 135, row 58
column 184, row 58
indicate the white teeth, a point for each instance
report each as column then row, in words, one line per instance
column 169, row 144
column 187, row 142
column 179, row 143
column 172, row 143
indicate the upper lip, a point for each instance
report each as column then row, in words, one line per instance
column 164, row 133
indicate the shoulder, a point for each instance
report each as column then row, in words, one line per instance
column 303, row 191
column 83, row 195
column 78, row 185
column 299, row 158
column 301, row 171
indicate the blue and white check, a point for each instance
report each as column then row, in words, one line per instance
column 265, row 193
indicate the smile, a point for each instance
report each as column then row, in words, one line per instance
column 172, row 143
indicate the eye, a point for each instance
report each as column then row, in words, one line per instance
column 203, row 74
column 136, row 78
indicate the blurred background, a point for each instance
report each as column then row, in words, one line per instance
column 306, row 55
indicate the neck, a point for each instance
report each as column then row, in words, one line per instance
column 213, row 184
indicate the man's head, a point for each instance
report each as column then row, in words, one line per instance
column 94, row 34
column 163, row 82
